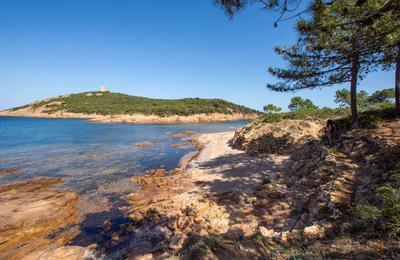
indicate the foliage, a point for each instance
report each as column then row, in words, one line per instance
column 369, row 118
column 332, row 50
column 297, row 103
column 114, row 103
column 390, row 205
column 197, row 247
column 332, row 150
column 385, row 210
column 325, row 53
column 340, row 42
column 381, row 96
column 365, row 215
column 302, row 113
column 270, row 108
column 261, row 239
column 342, row 97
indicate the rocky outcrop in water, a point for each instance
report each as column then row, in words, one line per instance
column 10, row 171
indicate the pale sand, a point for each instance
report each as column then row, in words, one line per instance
column 219, row 168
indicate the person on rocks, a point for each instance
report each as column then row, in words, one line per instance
column 329, row 131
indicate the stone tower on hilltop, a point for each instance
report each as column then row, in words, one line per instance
column 103, row 88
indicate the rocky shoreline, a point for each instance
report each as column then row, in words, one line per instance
column 134, row 119
column 225, row 203
column 37, row 221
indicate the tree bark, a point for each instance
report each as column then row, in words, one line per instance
column 397, row 85
column 353, row 91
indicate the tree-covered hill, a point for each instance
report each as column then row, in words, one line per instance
column 108, row 103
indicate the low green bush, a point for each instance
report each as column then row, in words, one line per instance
column 385, row 210
column 365, row 215
column 390, row 206
column 368, row 118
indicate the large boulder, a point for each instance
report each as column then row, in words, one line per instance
column 279, row 137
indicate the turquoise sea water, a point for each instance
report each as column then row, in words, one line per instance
column 92, row 158
column 95, row 160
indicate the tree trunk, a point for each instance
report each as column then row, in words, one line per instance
column 353, row 91
column 397, row 85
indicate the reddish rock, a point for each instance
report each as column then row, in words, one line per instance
column 31, row 210
column 176, row 171
column 159, row 172
column 10, row 171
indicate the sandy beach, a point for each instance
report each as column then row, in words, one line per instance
column 226, row 169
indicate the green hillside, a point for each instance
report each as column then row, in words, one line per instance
column 108, row 103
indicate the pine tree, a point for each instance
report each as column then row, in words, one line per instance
column 377, row 21
column 327, row 54
column 390, row 22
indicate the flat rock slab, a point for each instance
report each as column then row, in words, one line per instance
column 33, row 216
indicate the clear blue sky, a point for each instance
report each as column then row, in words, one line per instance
column 163, row 49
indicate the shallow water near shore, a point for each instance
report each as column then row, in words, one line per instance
column 94, row 160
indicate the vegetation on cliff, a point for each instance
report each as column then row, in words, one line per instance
column 373, row 108
column 108, row 103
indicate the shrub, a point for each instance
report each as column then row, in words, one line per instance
column 332, row 150
column 390, row 205
column 392, row 158
column 365, row 215
column 196, row 247
column 386, row 210
column 395, row 180
column 262, row 239
column 368, row 120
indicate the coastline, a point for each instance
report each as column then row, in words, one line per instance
column 134, row 118
column 214, row 195
column 214, row 171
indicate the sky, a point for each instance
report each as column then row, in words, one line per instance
column 160, row 49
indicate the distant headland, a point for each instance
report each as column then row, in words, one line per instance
column 108, row 107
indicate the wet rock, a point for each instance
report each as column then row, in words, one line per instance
column 183, row 134
column 143, row 144
column 178, row 145
column 10, row 171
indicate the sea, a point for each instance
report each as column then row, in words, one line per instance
column 95, row 160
